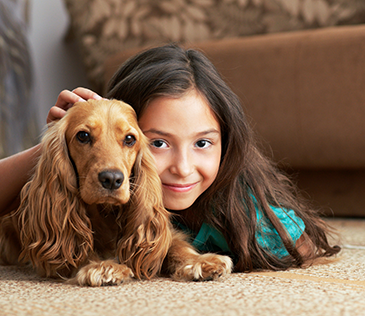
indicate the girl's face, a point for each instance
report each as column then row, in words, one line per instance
column 185, row 140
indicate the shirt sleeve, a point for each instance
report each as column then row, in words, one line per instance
column 267, row 236
column 210, row 239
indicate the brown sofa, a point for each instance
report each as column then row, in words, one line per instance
column 305, row 93
column 303, row 90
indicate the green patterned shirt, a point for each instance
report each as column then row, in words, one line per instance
column 210, row 239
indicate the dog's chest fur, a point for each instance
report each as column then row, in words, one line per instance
column 105, row 229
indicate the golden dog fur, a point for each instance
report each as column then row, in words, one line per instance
column 93, row 212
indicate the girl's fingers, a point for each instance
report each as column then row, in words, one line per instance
column 55, row 113
column 67, row 99
column 86, row 94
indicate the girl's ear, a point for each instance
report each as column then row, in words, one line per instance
column 55, row 231
column 146, row 229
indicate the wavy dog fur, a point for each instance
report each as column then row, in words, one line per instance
column 93, row 210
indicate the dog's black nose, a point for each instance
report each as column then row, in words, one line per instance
column 111, row 179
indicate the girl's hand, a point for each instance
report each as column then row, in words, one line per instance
column 67, row 99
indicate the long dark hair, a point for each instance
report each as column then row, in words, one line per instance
column 244, row 172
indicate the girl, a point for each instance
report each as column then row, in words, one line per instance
column 220, row 189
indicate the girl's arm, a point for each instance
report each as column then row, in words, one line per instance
column 305, row 246
column 14, row 173
column 15, row 170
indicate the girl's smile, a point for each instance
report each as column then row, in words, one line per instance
column 186, row 143
column 179, row 187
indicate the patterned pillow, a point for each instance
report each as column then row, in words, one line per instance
column 105, row 27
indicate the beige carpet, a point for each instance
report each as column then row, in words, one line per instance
column 335, row 289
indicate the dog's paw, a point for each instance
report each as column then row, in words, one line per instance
column 102, row 273
column 204, row 267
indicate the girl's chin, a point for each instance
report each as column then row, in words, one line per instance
column 176, row 210
column 178, row 207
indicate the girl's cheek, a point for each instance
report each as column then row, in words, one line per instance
column 210, row 166
column 160, row 162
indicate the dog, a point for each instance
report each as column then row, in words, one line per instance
column 92, row 213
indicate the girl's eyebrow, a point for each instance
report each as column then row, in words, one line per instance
column 155, row 131
column 162, row 133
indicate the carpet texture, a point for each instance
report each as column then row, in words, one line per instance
column 334, row 289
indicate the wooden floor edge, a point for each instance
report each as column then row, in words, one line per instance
column 301, row 277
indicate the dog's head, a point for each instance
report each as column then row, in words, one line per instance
column 87, row 158
column 103, row 141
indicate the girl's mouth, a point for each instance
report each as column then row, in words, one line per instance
column 179, row 188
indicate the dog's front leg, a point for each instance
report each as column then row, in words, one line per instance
column 99, row 273
column 186, row 264
column 10, row 246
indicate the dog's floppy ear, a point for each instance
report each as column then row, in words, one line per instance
column 146, row 232
column 55, row 231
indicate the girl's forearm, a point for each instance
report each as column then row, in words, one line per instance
column 14, row 173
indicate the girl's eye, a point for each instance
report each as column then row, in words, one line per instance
column 129, row 140
column 83, row 137
column 203, row 143
column 158, row 143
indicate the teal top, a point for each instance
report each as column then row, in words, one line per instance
column 210, row 239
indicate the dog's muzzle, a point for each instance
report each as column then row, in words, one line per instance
column 111, row 179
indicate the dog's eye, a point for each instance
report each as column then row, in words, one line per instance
column 129, row 140
column 83, row 137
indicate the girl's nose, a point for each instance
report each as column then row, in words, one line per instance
column 182, row 164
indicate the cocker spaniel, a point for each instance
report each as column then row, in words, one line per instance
column 92, row 213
